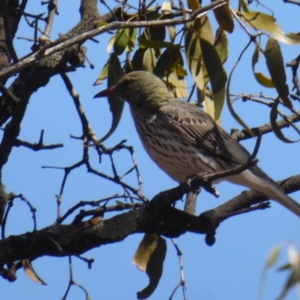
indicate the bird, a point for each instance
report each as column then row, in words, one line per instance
column 183, row 140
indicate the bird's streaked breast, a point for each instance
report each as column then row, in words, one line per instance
column 173, row 155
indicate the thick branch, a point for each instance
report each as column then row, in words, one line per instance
column 156, row 216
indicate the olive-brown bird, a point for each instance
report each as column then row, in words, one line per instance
column 183, row 140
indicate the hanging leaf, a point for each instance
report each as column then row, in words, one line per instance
column 127, row 68
column 101, row 24
column 193, row 4
column 193, row 58
column 166, row 9
column 131, row 39
column 144, row 59
column 204, row 30
column 224, row 17
column 275, row 65
column 208, row 103
column 273, row 256
column 216, row 74
column 146, row 43
column 125, row 38
column 116, row 105
column 293, row 280
column 243, row 6
column 265, row 22
column 149, row 258
column 260, row 77
column 103, row 75
column 214, row 67
column 110, row 44
column 30, row 272
column 167, row 62
column 221, row 45
column 178, row 85
column 155, row 33
column 121, row 41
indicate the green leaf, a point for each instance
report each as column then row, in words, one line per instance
column 110, row 44
column 166, row 9
column 125, row 38
column 178, row 85
column 144, row 59
column 284, row 267
column 116, row 105
column 193, row 4
column 168, row 61
column 265, row 22
column 260, row 77
column 208, row 103
column 224, row 17
column 214, row 67
column 204, row 30
column 121, row 41
column 243, row 5
column 193, row 58
column 275, row 65
column 293, row 279
column 103, row 75
column 149, row 258
column 155, row 33
column 172, row 33
column 174, row 80
column 219, row 99
column 216, row 74
column 131, row 39
column 273, row 256
column 291, row 38
column 221, row 45
column 30, row 272
column 101, row 24
column 146, row 43
column 294, row 258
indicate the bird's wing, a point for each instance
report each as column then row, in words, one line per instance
column 197, row 128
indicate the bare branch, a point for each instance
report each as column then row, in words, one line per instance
column 267, row 128
column 153, row 217
column 87, row 35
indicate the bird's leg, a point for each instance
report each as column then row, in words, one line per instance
column 190, row 202
column 193, row 186
column 194, row 182
column 191, row 196
column 205, row 179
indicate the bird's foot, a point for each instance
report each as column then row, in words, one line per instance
column 193, row 183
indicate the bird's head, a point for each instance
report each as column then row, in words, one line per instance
column 142, row 90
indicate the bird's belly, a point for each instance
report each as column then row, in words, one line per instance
column 178, row 159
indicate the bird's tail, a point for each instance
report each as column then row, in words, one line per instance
column 257, row 180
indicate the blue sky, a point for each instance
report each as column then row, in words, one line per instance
column 230, row 269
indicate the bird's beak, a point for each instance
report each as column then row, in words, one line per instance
column 109, row 92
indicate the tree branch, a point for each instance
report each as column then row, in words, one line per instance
column 66, row 41
column 267, row 128
column 156, row 216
